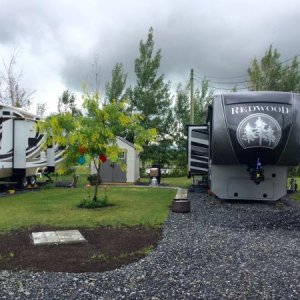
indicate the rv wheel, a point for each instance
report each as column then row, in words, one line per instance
column 23, row 182
column 32, row 180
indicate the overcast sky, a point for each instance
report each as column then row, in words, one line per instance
column 58, row 40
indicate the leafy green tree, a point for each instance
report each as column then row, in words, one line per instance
column 203, row 97
column 269, row 74
column 66, row 103
column 93, row 133
column 151, row 97
column 182, row 107
column 182, row 118
column 290, row 80
column 115, row 89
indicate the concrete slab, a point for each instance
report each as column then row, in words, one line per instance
column 57, row 237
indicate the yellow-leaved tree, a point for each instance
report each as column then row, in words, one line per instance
column 94, row 131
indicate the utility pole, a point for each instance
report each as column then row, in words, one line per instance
column 192, row 118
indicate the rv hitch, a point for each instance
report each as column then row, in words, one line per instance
column 256, row 172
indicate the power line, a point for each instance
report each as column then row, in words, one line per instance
column 238, row 76
column 223, row 88
column 216, row 77
column 236, row 82
column 291, row 58
column 222, row 82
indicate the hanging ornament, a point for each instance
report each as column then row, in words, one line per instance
column 103, row 158
column 81, row 159
column 82, row 149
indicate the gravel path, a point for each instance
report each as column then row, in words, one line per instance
column 221, row 250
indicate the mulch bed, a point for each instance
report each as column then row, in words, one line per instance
column 107, row 249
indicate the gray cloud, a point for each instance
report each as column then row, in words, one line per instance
column 216, row 38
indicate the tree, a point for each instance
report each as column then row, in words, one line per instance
column 66, row 103
column 182, row 118
column 40, row 109
column 203, row 98
column 151, row 97
column 269, row 74
column 115, row 89
column 182, row 108
column 92, row 134
column 11, row 91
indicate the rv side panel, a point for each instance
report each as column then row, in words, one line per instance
column 19, row 148
column 51, row 158
column 198, row 147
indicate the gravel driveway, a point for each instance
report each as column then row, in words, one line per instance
column 221, row 250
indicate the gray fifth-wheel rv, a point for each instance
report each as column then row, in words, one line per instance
column 247, row 145
column 22, row 152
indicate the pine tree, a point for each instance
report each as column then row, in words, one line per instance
column 115, row 89
column 181, row 118
column 269, row 74
column 151, row 98
column 203, row 97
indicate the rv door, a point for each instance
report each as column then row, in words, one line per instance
column 197, row 147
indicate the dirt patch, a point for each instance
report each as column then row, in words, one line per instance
column 107, row 249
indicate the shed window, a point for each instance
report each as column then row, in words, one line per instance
column 6, row 113
column 122, row 155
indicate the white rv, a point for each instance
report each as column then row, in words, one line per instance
column 22, row 151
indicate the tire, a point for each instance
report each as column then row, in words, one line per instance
column 31, row 180
column 23, row 183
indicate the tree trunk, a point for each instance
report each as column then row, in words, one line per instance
column 97, row 184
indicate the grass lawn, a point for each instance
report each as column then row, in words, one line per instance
column 58, row 207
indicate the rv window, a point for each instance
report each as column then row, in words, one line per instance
column 6, row 113
column 32, row 142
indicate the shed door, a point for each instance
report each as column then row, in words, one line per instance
column 198, row 149
column 111, row 172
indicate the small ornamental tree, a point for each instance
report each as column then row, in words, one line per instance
column 91, row 136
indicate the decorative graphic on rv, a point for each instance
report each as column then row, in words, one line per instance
column 259, row 130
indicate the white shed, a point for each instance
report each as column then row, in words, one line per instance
column 111, row 172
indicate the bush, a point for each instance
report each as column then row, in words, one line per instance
column 294, row 171
column 91, row 204
column 176, row 173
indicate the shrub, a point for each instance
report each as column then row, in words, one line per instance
column 91, row 204
column 177, row 173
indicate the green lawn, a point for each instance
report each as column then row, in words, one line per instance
column 182, row 182
column 57, row 207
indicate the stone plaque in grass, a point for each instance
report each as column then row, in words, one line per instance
column 57, row 237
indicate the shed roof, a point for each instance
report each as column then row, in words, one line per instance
column 125, row 141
